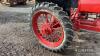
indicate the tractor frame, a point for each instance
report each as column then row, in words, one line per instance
column 59, row 19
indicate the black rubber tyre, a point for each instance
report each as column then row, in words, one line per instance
column 65, row 21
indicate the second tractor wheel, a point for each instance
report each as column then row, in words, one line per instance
column 52, row 26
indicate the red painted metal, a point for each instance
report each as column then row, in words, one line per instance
column 80, row 23
column 89, row 6
column 47, row 27
column 86, row 6
column 92, row 28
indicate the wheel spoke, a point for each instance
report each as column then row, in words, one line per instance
column 43, row 18
column 52, row 37
column 39, row 24
column 57, row 32
column 47, row 37
column 40, row 19
column 55, row 24
column 47, row 19
column 55, row 37
column 58, row 28
column 52, row 19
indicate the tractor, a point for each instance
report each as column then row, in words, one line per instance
column 54, row 22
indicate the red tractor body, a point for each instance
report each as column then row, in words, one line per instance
column 91, row 18
column 89, row 6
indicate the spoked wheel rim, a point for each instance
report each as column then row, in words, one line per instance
column 48, row 29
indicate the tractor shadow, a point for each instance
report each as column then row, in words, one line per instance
column 88, row 47
column 68, row 52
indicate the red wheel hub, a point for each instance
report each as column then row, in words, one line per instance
column 48, row 29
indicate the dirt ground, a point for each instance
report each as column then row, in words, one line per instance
column 16, row 38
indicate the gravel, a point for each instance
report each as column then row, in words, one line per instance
column 17, row 39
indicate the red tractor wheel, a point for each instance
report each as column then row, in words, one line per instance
column 52, row 26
